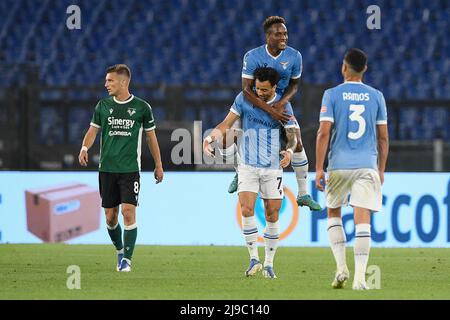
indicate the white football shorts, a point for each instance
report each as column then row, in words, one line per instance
column 359, row 187
column 265, row 181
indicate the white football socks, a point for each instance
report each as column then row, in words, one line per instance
column 250, row 231
column 337, row 238
column 361, row 250
column 271, row 235
column 300, row 166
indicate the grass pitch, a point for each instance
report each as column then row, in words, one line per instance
column 210, row 272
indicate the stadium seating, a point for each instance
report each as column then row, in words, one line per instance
column 202, row 42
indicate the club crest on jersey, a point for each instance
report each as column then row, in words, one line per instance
column 131, row 111
column 111, row 111
column 284, row 64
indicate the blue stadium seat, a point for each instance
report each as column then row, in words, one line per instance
column 51, row 129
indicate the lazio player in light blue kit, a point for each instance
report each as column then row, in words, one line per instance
column 355, row 115
column 261, row 170
column 287, row 62
column 260, row 144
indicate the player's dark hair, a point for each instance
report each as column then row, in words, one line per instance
column 267, row 74
column 270, row 21
column 120, row 69
column 356, row 58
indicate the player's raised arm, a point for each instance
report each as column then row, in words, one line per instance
column 250, row 95
column 288, row 94
column 218, row 132
column 383, row 149
column 323, row 137
column 88, row 141
column 153, row 145
column 294, row 82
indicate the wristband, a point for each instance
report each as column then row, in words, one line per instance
column 84, row 148
column 209, row 139
column 290, row 150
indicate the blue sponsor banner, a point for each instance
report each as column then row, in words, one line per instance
column 194, row 208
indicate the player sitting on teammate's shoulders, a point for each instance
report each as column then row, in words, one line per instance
column 287, row 61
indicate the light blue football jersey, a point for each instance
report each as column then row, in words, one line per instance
column 259, row 145
column 288, row 64
column 355, row 109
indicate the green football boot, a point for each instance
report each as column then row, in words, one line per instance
column 234, row 184
column 306, row 200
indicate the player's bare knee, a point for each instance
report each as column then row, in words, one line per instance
column 299, row 145
column 272, row 216
column 111, row 221
column 334, row 213
column 129, row 214
column 111, row 215
column 129, row 220
column 362, row 215
column 247, row 211
column 272, row 212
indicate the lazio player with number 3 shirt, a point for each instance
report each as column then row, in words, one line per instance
column 287, row 61
column 355, row 115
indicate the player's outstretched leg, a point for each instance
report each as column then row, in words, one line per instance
column 250, row 231
column 337, row 238
column 361, row 252
column 300, row 166
column 271, row 236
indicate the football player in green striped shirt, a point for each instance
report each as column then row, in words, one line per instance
column 121, row 118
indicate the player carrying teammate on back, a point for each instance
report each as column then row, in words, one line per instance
column 288, row 63
column 261, row 168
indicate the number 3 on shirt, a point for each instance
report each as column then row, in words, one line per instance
column 357, row 109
